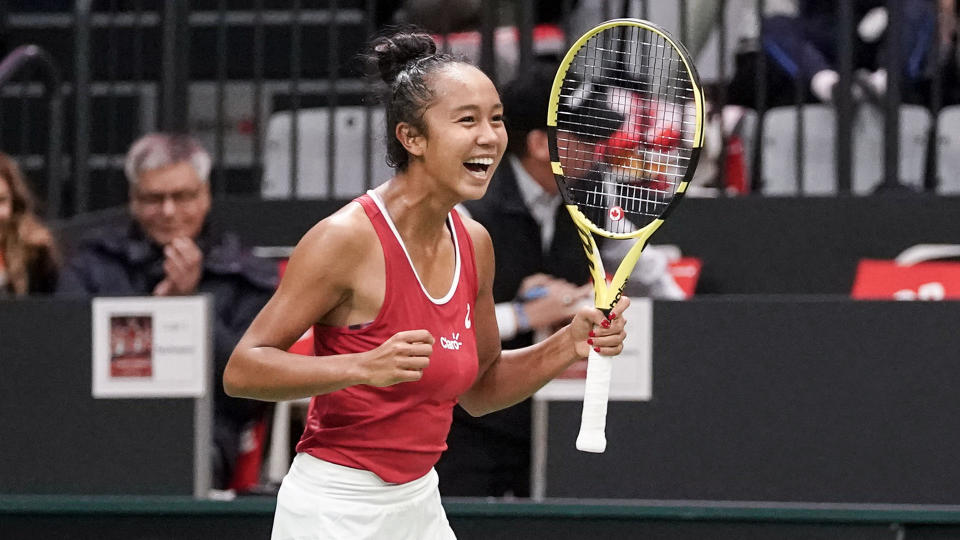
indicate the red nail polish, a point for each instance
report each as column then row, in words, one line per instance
column 605, row 323
column 612, row 316
column 596, row 349
column 589, row 342
column 592, row 334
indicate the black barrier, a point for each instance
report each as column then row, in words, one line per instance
column 161, row 518
column 748, row 245
column 58, row 439
column 781, row 399
column 754, row 399
column 812, row 417
column 802, row 245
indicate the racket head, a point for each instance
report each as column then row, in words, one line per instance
column 625, row 124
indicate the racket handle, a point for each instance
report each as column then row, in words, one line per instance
column 596, row 391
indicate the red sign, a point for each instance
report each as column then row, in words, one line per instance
column 616, row 213
column 885, row 280
column 686, row 272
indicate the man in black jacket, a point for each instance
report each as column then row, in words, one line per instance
column 169, row 248
column 540, row 282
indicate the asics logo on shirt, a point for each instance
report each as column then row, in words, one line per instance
column 466, row 320
column 452, row 344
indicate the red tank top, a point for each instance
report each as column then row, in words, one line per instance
column 398, row 432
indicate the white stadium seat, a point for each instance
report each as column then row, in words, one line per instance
column 868, row 147
column 313, row 154
column 819, row 166
column 779, row 151
column 948, row 148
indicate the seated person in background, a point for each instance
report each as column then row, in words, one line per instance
column 807, row 46
column 168, row 248
column 29, row 260
column 541, row 283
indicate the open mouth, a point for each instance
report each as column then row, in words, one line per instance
column 478, row 166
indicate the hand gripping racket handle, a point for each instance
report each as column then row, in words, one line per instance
column 595, row 394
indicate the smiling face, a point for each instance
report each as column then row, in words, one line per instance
column 465, row 137
column 170, row 202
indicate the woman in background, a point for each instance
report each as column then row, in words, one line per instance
column 29, row 258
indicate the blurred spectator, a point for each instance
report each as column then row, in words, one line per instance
column 949, row 59
column 29, row 258
column 803, row 51
column 169, row 247
column 541, row 272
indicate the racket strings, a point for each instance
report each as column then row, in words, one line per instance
column 625, row 127
column 581, row 112
column 686, row 125
column 665, row 164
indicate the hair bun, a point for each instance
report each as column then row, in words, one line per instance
column 391, row 53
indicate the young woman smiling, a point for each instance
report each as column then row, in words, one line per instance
column 398, row 288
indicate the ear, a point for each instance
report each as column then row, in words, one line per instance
column 410, row 138
column 538, row 145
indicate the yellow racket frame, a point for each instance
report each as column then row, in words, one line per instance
column 607, row 296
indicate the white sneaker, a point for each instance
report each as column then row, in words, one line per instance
column 823, row 83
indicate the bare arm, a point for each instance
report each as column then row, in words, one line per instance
column 508, row 377
column 319, row 279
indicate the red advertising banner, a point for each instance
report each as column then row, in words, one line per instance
column 885, row 280
column 686, row 272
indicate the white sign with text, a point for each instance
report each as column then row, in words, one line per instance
column 148, row 347
column 632, row 370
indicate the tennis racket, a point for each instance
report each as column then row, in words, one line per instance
column 625, row 125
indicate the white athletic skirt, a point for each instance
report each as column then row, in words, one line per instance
column 319, row 499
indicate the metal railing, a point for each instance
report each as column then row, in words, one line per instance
column 277, row 96
column 16, row 63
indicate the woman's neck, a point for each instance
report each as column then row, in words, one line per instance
column 415, row 209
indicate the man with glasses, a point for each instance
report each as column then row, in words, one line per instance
column 168, row 247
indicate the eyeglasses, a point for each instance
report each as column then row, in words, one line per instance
column 156, row 199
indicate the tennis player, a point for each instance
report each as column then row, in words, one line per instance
column 398, row 288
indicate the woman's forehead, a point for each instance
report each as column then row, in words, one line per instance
column 458, row 84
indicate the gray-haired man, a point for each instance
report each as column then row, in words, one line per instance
column 168, row 247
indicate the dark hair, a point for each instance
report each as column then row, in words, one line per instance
column 403, row 60
column 525, row 100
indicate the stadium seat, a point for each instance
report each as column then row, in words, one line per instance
column 312, row 169
column 819, row 168
column 948, row 148
column 779, row 151
column 868, row 147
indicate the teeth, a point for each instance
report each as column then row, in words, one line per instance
column 480, row 161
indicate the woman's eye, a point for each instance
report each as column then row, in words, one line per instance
column 498, row 118
column 466, row 119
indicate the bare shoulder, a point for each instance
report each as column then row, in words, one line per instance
column 482, row 248
column 478, row 234
column 346, row 228
column 339, row 241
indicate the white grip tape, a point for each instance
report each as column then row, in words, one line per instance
column 596, row 392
